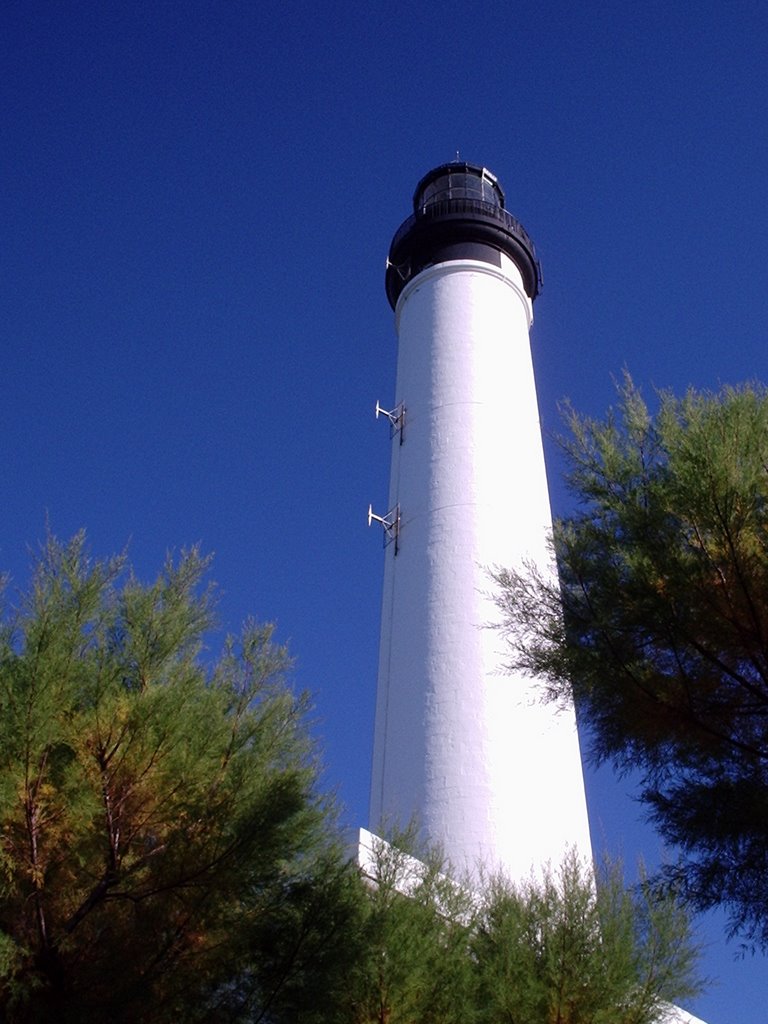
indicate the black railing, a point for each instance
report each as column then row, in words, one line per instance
column 477, row 207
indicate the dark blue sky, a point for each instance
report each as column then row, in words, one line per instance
column 196, row 207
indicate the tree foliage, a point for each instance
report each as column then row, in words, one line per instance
column 415, row 934
column 569, row 949
column 659, row 625
column 164, row 855
column 156, row 811
column 562, row 948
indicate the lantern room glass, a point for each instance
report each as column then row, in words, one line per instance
column 461, row 184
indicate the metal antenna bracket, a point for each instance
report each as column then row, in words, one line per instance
column 391, row 524
column 396, row 419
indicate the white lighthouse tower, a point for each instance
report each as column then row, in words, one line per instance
column 461, row 747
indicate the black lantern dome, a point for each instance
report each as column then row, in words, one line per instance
column 459, row 214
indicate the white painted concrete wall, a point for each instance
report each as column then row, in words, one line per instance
column 488, row 771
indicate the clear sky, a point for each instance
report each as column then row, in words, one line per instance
column 196, row 207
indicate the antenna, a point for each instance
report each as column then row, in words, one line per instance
column 391, row 524
column 396, row 419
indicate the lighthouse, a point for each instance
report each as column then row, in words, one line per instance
column 462, row 748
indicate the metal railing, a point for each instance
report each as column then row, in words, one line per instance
column 451, row 207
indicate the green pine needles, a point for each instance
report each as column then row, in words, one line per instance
column 165, row 854
column 152, row 807
column 659, row 626
column 564, row 947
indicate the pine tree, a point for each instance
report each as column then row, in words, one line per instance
column 569, row 948
column 659, row 627
column 153, row 807
column 564, row 947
